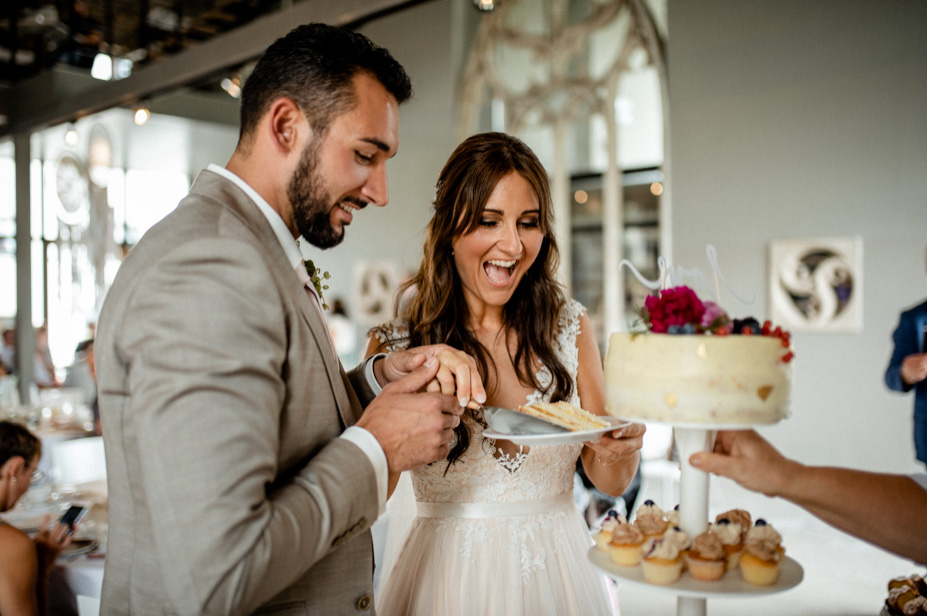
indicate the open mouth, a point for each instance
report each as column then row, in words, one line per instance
column 499, row 272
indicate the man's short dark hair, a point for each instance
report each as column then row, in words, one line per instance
column 314, row 66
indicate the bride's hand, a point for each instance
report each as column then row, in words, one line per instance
column 457, row 375
column 617, row 444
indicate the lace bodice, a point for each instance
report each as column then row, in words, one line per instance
column 485, row 474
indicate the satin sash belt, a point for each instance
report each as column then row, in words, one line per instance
column 495, row 510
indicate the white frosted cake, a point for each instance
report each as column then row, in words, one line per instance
column 740, row 380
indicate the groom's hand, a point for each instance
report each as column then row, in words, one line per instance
column 413, row 427
column 457, row 374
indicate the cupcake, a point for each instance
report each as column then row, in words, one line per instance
column 730, row 535
column 625, row 545
column 661, row 562
column 706, row 559
column 611, row 521
column 680, row 538
column 741, row 517
column 760, row 561
column 649, row 520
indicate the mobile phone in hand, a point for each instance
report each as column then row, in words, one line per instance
column 73, row 515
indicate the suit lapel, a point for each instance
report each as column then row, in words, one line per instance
column 210, row 184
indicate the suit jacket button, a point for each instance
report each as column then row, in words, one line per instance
column 364, row 603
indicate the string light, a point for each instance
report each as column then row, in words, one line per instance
column 142, row 114
column 70, row 136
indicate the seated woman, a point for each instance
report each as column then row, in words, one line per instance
column 497, row 532
column 26, row 562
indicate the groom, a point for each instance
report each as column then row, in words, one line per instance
column 243, row 470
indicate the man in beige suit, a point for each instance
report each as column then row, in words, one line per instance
column 244, row 471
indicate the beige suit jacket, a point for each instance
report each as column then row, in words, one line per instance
column 221, row 400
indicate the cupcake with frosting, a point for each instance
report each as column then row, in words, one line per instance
column 731, row 536
column 706, row 560
column 661, row 562
column 680, row 538
column 741, row 517
column 763, row 551
column 612, row 520
column 649, row 520
column 625, row 545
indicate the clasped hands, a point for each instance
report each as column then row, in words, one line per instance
column 427, row 389
column 914, row 368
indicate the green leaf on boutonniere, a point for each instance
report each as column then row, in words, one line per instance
column 316, row 275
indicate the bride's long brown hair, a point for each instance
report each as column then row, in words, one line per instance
column 436, row 311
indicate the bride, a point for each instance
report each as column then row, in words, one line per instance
column 496, row 530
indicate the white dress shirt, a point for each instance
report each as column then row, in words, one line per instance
column 359, row 436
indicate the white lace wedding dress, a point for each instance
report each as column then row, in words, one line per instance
column 498, row 534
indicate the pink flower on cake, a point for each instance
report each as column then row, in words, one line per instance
column 673, row 310
column 714, row 316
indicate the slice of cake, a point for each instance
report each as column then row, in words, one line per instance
column 564, row 414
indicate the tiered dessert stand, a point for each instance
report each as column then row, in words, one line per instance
column 692, row 594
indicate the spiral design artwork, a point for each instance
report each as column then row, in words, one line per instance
column 819, row 283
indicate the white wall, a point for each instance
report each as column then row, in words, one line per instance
column 797, row 119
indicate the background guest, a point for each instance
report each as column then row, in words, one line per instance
column 8, row 350
column 907, row 369
column 889, row 511
column 44, row 366
column 26, row 563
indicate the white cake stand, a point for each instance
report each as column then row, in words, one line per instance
column 693, row 499
column 693, row 513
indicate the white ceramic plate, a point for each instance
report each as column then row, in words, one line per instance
column 557, row 438
column 698, row 425
column 78, row 547
column 731, row 585
column 30, row 519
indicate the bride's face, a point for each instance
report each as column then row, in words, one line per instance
column 492, row 260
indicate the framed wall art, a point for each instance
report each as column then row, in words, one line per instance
column 816, row 285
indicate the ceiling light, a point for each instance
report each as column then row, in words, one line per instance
column 485, row 5
column 70, row 136
column 142, row 114
column 232, row 85
column 102, row 67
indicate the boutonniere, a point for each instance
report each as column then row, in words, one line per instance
column 316, row 275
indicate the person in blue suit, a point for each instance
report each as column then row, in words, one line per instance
column 907, row 369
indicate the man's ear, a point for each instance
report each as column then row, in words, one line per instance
column 286, row 124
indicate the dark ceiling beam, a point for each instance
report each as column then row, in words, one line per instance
column 33, row 105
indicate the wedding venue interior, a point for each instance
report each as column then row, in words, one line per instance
column 770, row 155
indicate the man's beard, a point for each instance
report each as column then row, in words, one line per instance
column 311, row 209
